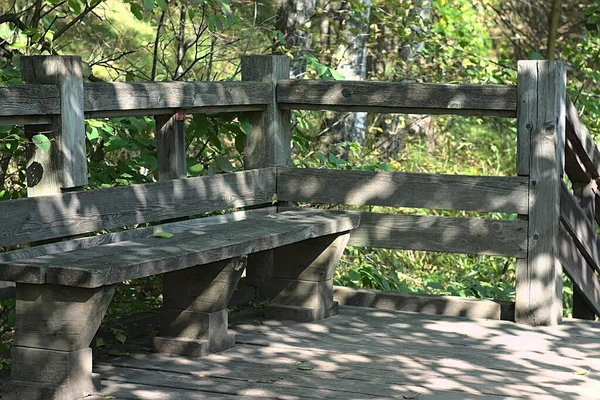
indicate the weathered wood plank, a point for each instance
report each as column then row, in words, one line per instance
column 119, row 98
column 138, row 233
column 33, row 219
column 29, row 100
column 526, row 102
column 426, row 304
column 580, row 227
column 539, row 281
column 580, row 272
column 398, row 97
column 445, row 234
column 112, row 263
column 399, row 189
column 583, row 144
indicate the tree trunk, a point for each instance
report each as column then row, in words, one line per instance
column 353, row 65
column 293, row 20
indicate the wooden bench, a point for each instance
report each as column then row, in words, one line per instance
column 64, row 288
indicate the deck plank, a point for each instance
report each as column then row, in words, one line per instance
column 367, row 353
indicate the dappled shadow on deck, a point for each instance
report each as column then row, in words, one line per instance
column 368, row 353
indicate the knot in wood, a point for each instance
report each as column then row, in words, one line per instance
column 346, row 92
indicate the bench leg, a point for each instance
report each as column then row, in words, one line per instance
column 302, row 286
column 51, row 358
column 193, row 320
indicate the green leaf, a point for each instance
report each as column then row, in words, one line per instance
column 120, row 337
column 536, row 56
column 246, row 126
column 336, row 75
column 162, row 4
column 116, row 352
column 100, row 342
column 75, row 6
column 41, row 141
column 163, row 235
column 148, row 5
column 196, row 169
column 304, row 367
column 239, row 142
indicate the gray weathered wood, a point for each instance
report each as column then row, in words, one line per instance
column 170, row 143
column 574, row 166
column 539, row 281
column 121, row 99
column 364, row 353
column 99, row 240
column 580, row 272
column 399, row 189
column 526, row 108
column 426, row 304
column 585, row 194
column 68, row 214
column 582, row 140
column 583, row 231
column 445, row 234
column 303, row 278
column 30, row 100
column 398, row 97
column 112, row 263
column 55, row 325
column 193, row 320
column 66, row 166
column 269, row 143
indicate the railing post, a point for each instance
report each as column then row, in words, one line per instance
column 170, row 144
column 64, row 165
column 541, row 136
column 268, row 144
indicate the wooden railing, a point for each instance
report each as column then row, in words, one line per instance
column 550, row 139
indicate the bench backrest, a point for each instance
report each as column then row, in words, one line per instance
column 77, row 213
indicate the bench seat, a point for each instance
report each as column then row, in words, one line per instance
column 62, row 296
column 192, row 245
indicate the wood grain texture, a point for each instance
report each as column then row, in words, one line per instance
column 578, row 224
column 444, row 234
column 170, row 146
column 526, row 111
column 112, row 263
column 399, row 189
column 119, row 98
column 69, row 153
column 47, row 217
column 583, row 143
column 132, row 234
column 539, row 281
column 29, row 100
column 425, row 304
column 370, row 353
column 579, row 271
column 269, row 143
column 398, row 97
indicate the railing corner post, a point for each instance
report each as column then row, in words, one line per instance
column 541, row 134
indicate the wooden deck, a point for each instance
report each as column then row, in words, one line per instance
column 367, row 353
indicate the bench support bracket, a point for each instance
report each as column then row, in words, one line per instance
column 194, row 317
column 302, row 287
column 55, row 325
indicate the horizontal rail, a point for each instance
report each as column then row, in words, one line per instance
column 74, row 213
column 444, row 234
column 24, row 103
column 112, row 99
column 578, row 270
column 580, row 227
column 398, row 97
column 399, row 189
column 36, row 104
